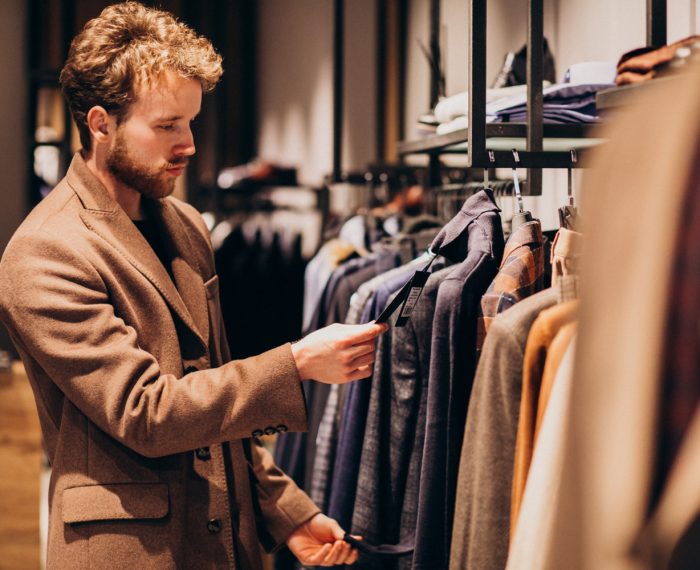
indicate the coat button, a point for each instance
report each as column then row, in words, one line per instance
column 191, row 369
column 269, row 430
column 203, row 453
column 257, row 433
column 214, row 526
column 282, row 428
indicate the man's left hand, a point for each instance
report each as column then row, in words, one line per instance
column 319, row 542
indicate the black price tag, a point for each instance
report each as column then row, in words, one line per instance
column 380, row 549
column 417, row 284
column 406, row 299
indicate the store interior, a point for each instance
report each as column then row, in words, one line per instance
column 312, row 122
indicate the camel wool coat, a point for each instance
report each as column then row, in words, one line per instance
column 150, row 430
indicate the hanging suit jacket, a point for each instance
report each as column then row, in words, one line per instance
column 385, row 509
column 452, row 367
column 482, row 504
column 146, row 423
column 535, row 531
column 545, row 328
column 604, row 522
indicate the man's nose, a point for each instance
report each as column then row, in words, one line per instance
column 185, row 147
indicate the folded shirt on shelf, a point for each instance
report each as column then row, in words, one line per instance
column 456, row 105
column 549, row 116
column 562, row 103
column 455, row 124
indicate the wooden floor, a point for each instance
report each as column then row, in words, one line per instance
column 20, row 466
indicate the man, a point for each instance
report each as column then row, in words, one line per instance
column 152, row 433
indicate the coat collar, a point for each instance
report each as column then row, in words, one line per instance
column 456, row 239
column 108, row 220
column 528, row 234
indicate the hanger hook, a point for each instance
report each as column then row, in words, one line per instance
column 516, row 182
column 570, row 183
column 492, row 159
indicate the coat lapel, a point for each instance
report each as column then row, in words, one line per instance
column 105, row 218
column 185, row 268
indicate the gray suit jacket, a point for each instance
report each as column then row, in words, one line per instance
column 482, row 511
column 387, row 490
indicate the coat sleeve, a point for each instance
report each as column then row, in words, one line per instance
column 283, row 505
column 58, row 310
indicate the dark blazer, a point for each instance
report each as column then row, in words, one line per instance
column 130, row 376
column 387, row 487
column 452, row 367
column 354, row 408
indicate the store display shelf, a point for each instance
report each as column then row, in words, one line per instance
column 506, row 136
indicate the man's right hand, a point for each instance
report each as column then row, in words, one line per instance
column 338, row 353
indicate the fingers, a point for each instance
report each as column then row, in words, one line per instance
column 360, row 350
column 336, row 530
column 338, row 552
column 359, row 374
column 330, row 554
column 317, row 558
column 363, row 361
column 365, row 333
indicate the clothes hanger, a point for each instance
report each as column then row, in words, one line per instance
column 568, row 215
column 492, row 160
column 522, row 216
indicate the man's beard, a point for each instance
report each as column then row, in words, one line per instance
column 153, row 183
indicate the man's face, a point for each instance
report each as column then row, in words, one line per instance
column 152, row 145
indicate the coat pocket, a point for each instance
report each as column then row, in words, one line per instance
column 115, row 501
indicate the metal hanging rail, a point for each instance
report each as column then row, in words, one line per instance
column 338, row 54
column 535, row 41
column 656, row 22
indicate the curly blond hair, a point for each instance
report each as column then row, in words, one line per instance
column 127, row 46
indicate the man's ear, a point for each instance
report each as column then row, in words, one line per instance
column 101, row 124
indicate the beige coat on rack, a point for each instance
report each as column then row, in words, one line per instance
column 632, row 203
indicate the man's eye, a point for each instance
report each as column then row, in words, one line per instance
column 166, row 127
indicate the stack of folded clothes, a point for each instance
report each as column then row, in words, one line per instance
column 450, row 112
column 645, row 63
column 572, row 101
column 563, row 103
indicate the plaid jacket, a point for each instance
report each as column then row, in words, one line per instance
column 520, row 275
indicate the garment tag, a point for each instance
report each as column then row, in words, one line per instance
column 407, row 297
column 395, row 303
column 417, row 284
column 380, row 549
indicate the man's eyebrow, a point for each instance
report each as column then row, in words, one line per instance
column 170, row 118
column 173, row 118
